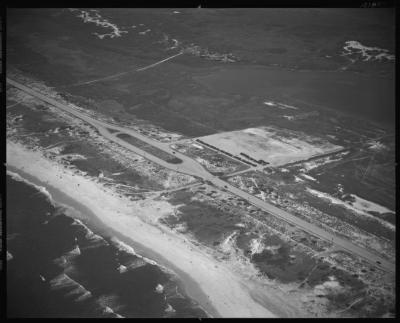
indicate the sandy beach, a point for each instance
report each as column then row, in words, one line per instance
column 218, row 290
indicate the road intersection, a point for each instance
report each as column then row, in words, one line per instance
column 193, row 168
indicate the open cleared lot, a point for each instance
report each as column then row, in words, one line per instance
column 276, row 147
column 275, row 102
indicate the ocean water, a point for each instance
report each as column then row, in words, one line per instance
column 59, row 267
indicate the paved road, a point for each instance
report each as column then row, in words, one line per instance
column 191, row 167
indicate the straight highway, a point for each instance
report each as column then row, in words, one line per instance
column 192, row 167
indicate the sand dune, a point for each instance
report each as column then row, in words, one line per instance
column 223, row 292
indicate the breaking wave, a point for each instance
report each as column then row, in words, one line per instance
column 128, row 249
column 82, row 273
column 76, row 292
column 41, row 189
column 64, row 282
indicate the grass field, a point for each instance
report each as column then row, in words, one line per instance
column 270, row 83
column 150, row 149
column 282, row 57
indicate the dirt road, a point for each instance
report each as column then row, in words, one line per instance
column 191, row 167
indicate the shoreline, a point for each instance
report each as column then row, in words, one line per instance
column 77, row 210
column 219, row 291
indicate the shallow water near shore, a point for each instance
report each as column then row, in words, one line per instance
column 116, row 292
column 217, row 286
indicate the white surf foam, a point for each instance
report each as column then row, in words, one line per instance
column 122, row 269
column 169, row 309
column 93, row 239
column 41, row 189
column 159, row 289
column 9, row 256
column 123, row 246
column 109, row 310
column 63, row 281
